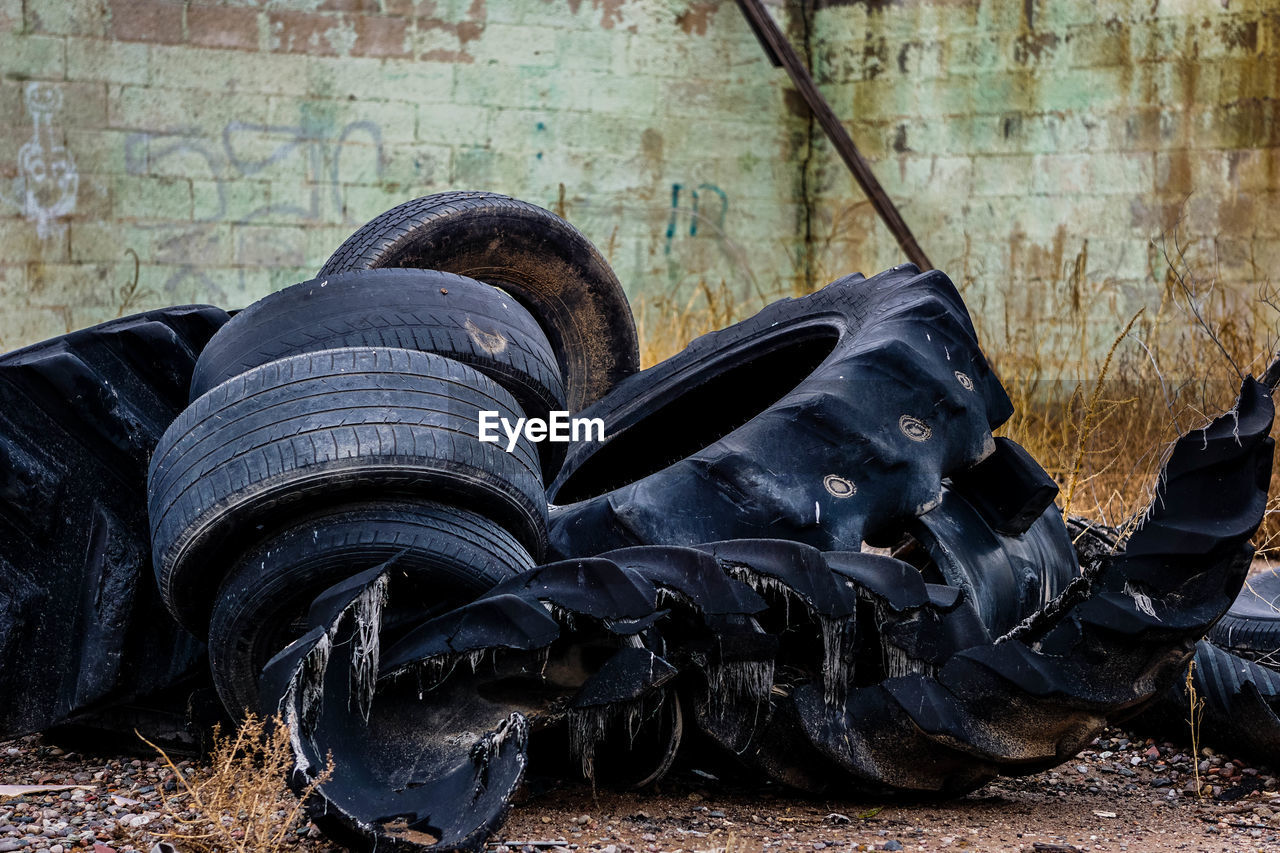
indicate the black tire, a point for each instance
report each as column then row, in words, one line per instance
column 1006, row 578
column 1239, row 705
column 448, row 556
column 1251, row 628
column 319, row 429
column 423, row 310
column 537, row 257
column 79, row 416
column 827, row 420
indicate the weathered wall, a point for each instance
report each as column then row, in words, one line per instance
column 1014, row 134
column 231, row 146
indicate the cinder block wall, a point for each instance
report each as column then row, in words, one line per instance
column 1026, row 140
column 233, row 146
column 227, row 148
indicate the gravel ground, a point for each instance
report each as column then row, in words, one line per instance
column 1123, row 793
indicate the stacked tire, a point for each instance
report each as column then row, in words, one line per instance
column 329, row 491
column 334, row 425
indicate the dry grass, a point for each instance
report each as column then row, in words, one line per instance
column 666, row 323
column 239, row 803
column 1103, row 424
column 1195, row 708
column 1178, row 363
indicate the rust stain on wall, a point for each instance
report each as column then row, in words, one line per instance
column 1032, row 47
column 610, row 11
column 696, row 19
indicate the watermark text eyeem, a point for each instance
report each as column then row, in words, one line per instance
column 557, row 427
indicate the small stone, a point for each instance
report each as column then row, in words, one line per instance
column 892, row 844
column 716, row 813
column 582, row 819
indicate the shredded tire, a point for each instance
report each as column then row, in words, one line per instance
column 447, row 556
column 79, row 416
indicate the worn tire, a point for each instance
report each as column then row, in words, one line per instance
column 537, row 257
column 423, row 310
column 448, row 555
column 1251, row 628
column 319, row 429
column 827, row 420
column 1239, row 703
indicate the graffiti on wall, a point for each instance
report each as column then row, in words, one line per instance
column 317, row 153
column 303, row 173
column 45, row 188
column 713, row 221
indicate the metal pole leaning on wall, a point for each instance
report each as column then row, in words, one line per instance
column 781, row 53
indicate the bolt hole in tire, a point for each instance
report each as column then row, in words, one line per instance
column 822, row 420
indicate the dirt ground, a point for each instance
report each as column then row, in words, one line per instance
column 1085, row 804
column 1124, row 793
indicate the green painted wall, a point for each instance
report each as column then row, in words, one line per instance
column 232, row 146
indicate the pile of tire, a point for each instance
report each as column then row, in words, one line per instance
column 799, row 535
column 796, row 546
column 333, row 425
column 833, row 672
